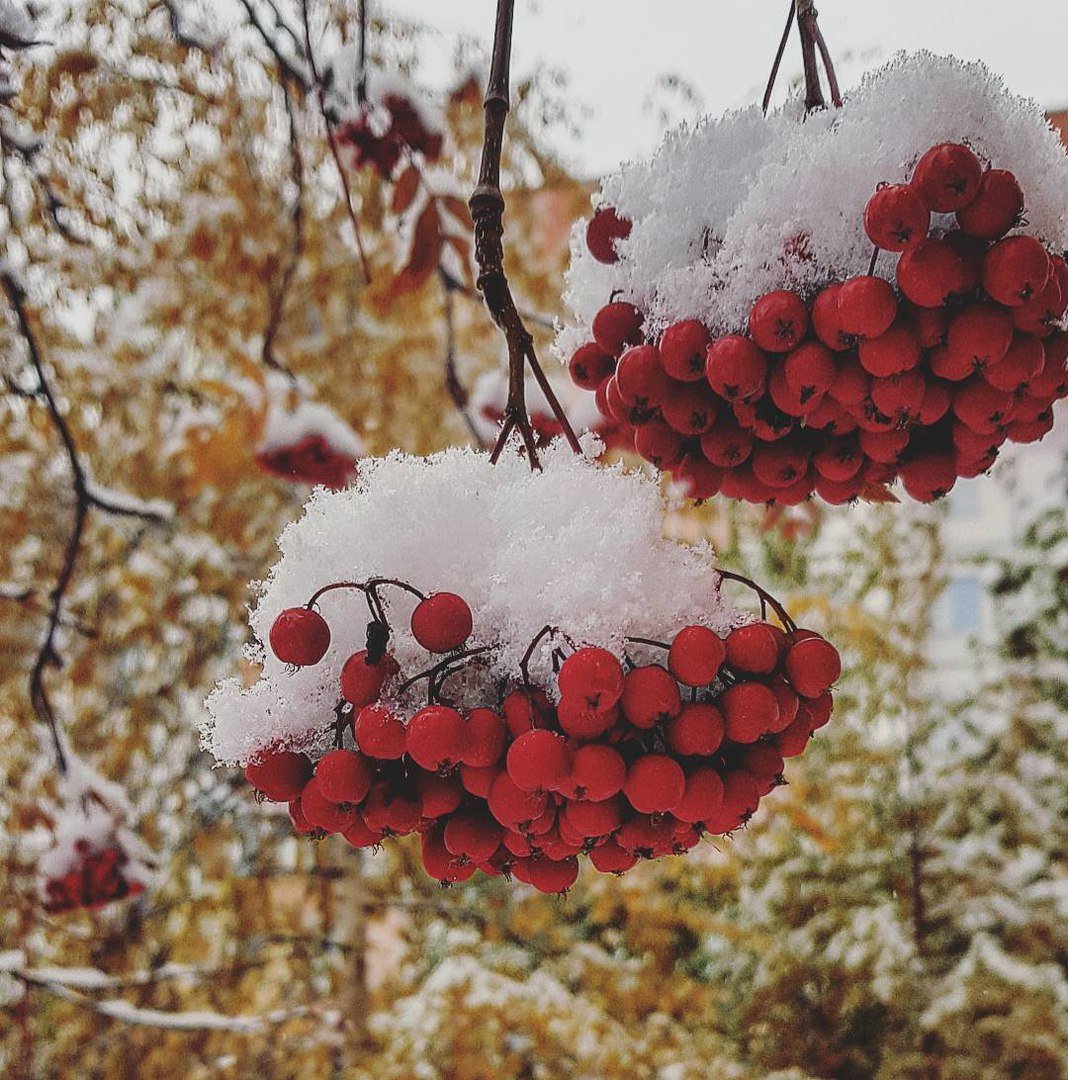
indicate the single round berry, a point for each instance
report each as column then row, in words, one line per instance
column 438, row 795
column 442, row 622
column 1023, row 361
column 696, row 655
column 656, row 442
column 592, row 675
column 323, row 813
column 896, row 217
column 947, row 177
column 362, row 681
column 755, row 648
column 765, row 764
column 655, row 784
column 487, row 736
column 578, row 720
column 792, row 740
column 891, row 352
column 867, row 306
column 511, row 805
column 592, row 819
column 616, row 326
column 813, row 666
column 750, row 710
column 727, row 444
column 979, row 335
column 610, row 858
column 380, row 733
column 279, row 775
column 479, row 780
column 702, row 797
column 1046, row 308
column 391, row 811
column 931, row 273
column 983, row 408
column 780, row 464
column 343, row 776
column 551, row 875
column 996, row 207
column 1015, row 269
column 899, row 396
column 826, row 322
column 936, row 402
column 650, row 696
column 300, row 636
column 539, row 760
column 741, row 797
column 647, row 836
column 810, row 369
column 437, row 737
column 602, row 232
column 472, row 835
column 439, row 862
column 690, row 409
column 736, row 368
column 698, row 478
column 683, row 349
column 697, row 731
column 597, row 772
column 640, row 377
column 360, row 835
column 778, row 321
column 837, row 460
column 590, row 365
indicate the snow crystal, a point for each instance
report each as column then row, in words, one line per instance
column 285, row 426
column 577, row 546
column 733, row 207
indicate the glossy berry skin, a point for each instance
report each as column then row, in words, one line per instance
column 436, row 738
column 511, row 805
column 640, row 377
column 996, row 207
column 741, row 797
column 778, row 321
column 379, row 733
column 655, row 784
column 683, row 348
column 610, row 858
column 979, row 336
column 442, row 622
column 592, row 675
column 931, row 273
column 809, row 370
column 1015, row 269
column 813, row 666
column 362, row 681
column 896, row 217
column 438, row 795
column 550, row 875
column 756, row 647
column 487, row 736
column 947, row 177
column 697, row 731
column 750, row 710
column 650, row 696
column 299, row 636
column 539, row 760
column 736, row 368
column 616, row 326
column 590, row 365
column 826, row 322
column 602, row 232
column 597, row 772
column 696, row 655
column 867, row 306
column 727, row 444
column 578, row 720
column 279, row 775
column 890, row 353
column 592, row 819
column 472, row 835
column 343, row 776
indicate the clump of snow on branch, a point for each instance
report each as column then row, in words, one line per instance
column 731, row 208
column 285, row 425
column 576, row 546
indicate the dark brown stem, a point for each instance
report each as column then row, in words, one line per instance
column 320, row 97
column 280, row 59
column 487, row 211
column 443, row 665
column 778, row 58
column 874, row 260
column 452, row 379
column 364, row 586
column 524, row 664
column 765, row 596
column 361, row 73
column 828, row 64
column 806, row 25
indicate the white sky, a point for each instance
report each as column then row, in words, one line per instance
column 613, row 51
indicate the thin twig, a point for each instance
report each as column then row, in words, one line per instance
column 778, row 58
column 280, row 58
column 361, row 71
column 487, row 211
column 452, row 379
column 828, row 63
column 806, row 25
column 321, row 99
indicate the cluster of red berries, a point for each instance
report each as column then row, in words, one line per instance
column 634, row 761
column 310, row 460
column 387, row 131
column 96, row 878
column 841, row 392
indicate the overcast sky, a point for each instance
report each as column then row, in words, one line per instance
column 614, row 51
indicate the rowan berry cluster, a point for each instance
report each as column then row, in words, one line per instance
column 387, row 130
column 96, row 877
column 636, row 759
column 309, row 460
column 841, row 392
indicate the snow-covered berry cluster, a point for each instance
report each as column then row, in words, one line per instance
column 306, row 442
column 637, row 758
column 839, row 381
column 517, row 666
column 96, row 877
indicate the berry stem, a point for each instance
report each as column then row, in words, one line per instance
column 361, row 70
column 828, row 63
column 764, row 595
column 431, row 672
column 649, row 641
column 524, row 664
column 369, row 586
column 806, row 25
column 874, row 260
column 487, row 211
column 778, row 58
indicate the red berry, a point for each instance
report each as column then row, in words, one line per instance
column 359, row 835
column 696, row 655
column 1020, row 365
column 442, row 622
column 343, row 776
column 947, row 177
column 896, row 218
column 928, row 324
column 1052, row 381
column 655, row 784
column 1015, row 269
column 610, row 858
column 838, row 460
column 438, row 795
column 650, row 696
column 300, row 823
column 697, row 731
column 539, row 760
column 388, row 810
column 736, row 368
column 899, row 396
column 616, row 326
column 590, row 365
column 597, row 772
column 778, row 321
column 361, row 681
column 792, row 741
column 867, row 306
column 838, row 492
column 755, row 648
column 980, row 406
column 511, row 805
column 812, row 666
column 683, row 348
column 702, row 797
column 892, row 352
column 279, row 775
column 690, row 409
column 826, row 321
column 851, row 385
column 520, row 712
column 995, row 208
column 592, row 675
column 552, row 876
column 780, row 464
column 810, row 369
column 699, row 479
column 300, row 636
column 379, row 733
column 439, row 862
column 930, row 273
column 727, row 444
column 647, row 836
column 656, row 442
column 323, row 813
column 765, row 763
column 979, row 335
column 479, row 780
column 640, row 377
column 741, row 797
column 830, row 417
column 579, row 721
column 437, row 737
column 472, row 835
column 487, row 735
column 592, row 819
column 1040, row 314
column 1031, row 431
column 602, row 232
column 750, row 710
